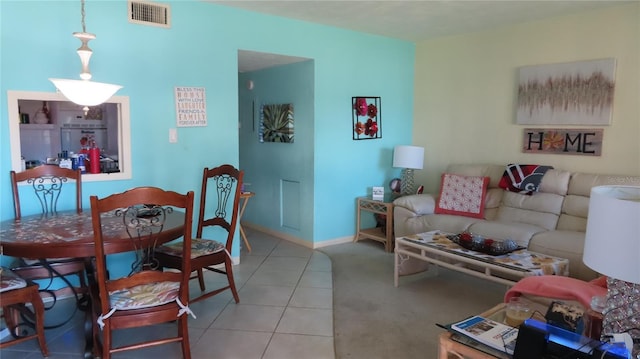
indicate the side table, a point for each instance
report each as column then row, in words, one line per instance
column 384, row 207
column 244, row 197
column 449, row 348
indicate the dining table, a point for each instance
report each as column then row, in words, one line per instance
column 69, row 234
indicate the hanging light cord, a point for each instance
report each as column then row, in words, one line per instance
column 82, row 13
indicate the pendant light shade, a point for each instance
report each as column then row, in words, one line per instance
column 85, row 92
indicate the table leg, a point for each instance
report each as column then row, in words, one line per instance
column 93, row 346
column 240, row 213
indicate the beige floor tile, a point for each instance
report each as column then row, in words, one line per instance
column 292, row 346
column 231, row 344
column 304, row 297
column 266, row 294
column 260, row 318
column 308, row 321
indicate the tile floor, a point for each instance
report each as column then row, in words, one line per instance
column 285, row 311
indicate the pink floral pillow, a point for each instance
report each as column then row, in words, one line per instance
column 462, row 195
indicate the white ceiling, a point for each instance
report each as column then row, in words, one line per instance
column 414, row 20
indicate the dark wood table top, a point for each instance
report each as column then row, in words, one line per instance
column 70, row 234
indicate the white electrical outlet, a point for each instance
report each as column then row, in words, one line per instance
column 173, row 135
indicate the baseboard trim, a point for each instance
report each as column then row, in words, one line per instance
column 297, row 240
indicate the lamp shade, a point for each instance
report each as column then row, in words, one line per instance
column 408, row 157
column 85, row 92
column 612, row 243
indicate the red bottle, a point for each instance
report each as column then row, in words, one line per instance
column 94, row 160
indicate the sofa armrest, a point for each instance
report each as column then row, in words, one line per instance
column 419, row 204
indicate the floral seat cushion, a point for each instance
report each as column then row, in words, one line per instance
column 199, row 247
column 9, row 280
column 145, row 295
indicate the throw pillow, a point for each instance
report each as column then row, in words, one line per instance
column 462, row 195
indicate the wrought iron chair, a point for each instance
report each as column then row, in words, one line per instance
column 46, row 184
column 15, row 293
column 226, row 183
column 146, row 296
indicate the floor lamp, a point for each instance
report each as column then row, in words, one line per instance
column 612, row 247
column 408, row 158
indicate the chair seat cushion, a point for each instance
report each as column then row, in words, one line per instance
column 9, row 280
column 199, row 247
column 144, row 295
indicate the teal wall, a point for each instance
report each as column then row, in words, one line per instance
column 281, row 174
column 200, row 49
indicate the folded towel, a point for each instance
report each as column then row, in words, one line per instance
column 558, row 287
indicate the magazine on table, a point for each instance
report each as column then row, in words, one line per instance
column 494, row 334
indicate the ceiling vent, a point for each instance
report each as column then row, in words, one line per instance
column 148, row 13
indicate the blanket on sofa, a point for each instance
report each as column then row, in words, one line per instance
column 524, row 179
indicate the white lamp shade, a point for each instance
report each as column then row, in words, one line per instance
column 84, row 92
column 408, row 157
column 612, row 243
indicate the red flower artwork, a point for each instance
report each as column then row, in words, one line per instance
column 369, row 126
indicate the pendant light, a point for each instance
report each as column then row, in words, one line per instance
column 85, row 92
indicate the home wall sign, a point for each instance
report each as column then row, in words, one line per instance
column 276, row 123
column 366, row 117
column 191, row 106
column 575, row 93
column 585, row 142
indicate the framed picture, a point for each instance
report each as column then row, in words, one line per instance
column 574, row 93
column 276, row 123
column 366, row 116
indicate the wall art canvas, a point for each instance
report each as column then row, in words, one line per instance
column 191, row 106
column 366, row 117
column 562, row 141
column 575, row 93
column 276, row 123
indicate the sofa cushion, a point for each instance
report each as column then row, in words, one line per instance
column 540, row 209
column 555, row 181
column 564, row 244
column 462, row 195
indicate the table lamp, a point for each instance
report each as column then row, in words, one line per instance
column 612, row 248
column 408, row 158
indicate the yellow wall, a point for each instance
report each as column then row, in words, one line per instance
column 465, row 92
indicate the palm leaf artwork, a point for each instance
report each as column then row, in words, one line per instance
column 277, row 123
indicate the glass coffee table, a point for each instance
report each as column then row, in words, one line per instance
column 434, row 248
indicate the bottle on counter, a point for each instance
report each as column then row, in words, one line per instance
column 594, row 317
column 94, row 160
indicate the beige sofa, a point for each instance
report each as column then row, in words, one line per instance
column 551, row 221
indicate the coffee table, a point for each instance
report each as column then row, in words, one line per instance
column 506, row 269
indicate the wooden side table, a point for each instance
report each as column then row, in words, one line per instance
column 244, row 197
column 384, row 207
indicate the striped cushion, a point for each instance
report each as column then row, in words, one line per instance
column 199, row 247
column 145, row 295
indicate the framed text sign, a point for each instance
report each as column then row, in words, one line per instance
column 587, row 142
column 191, row 106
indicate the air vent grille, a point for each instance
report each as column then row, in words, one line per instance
column 148, row 13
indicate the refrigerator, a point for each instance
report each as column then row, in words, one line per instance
column 75, row 139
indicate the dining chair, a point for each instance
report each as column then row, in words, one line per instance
column 146, row 296
column 218, row 210
column 46, row 184
column 15, row 293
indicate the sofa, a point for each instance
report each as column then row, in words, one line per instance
column 551, row 220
